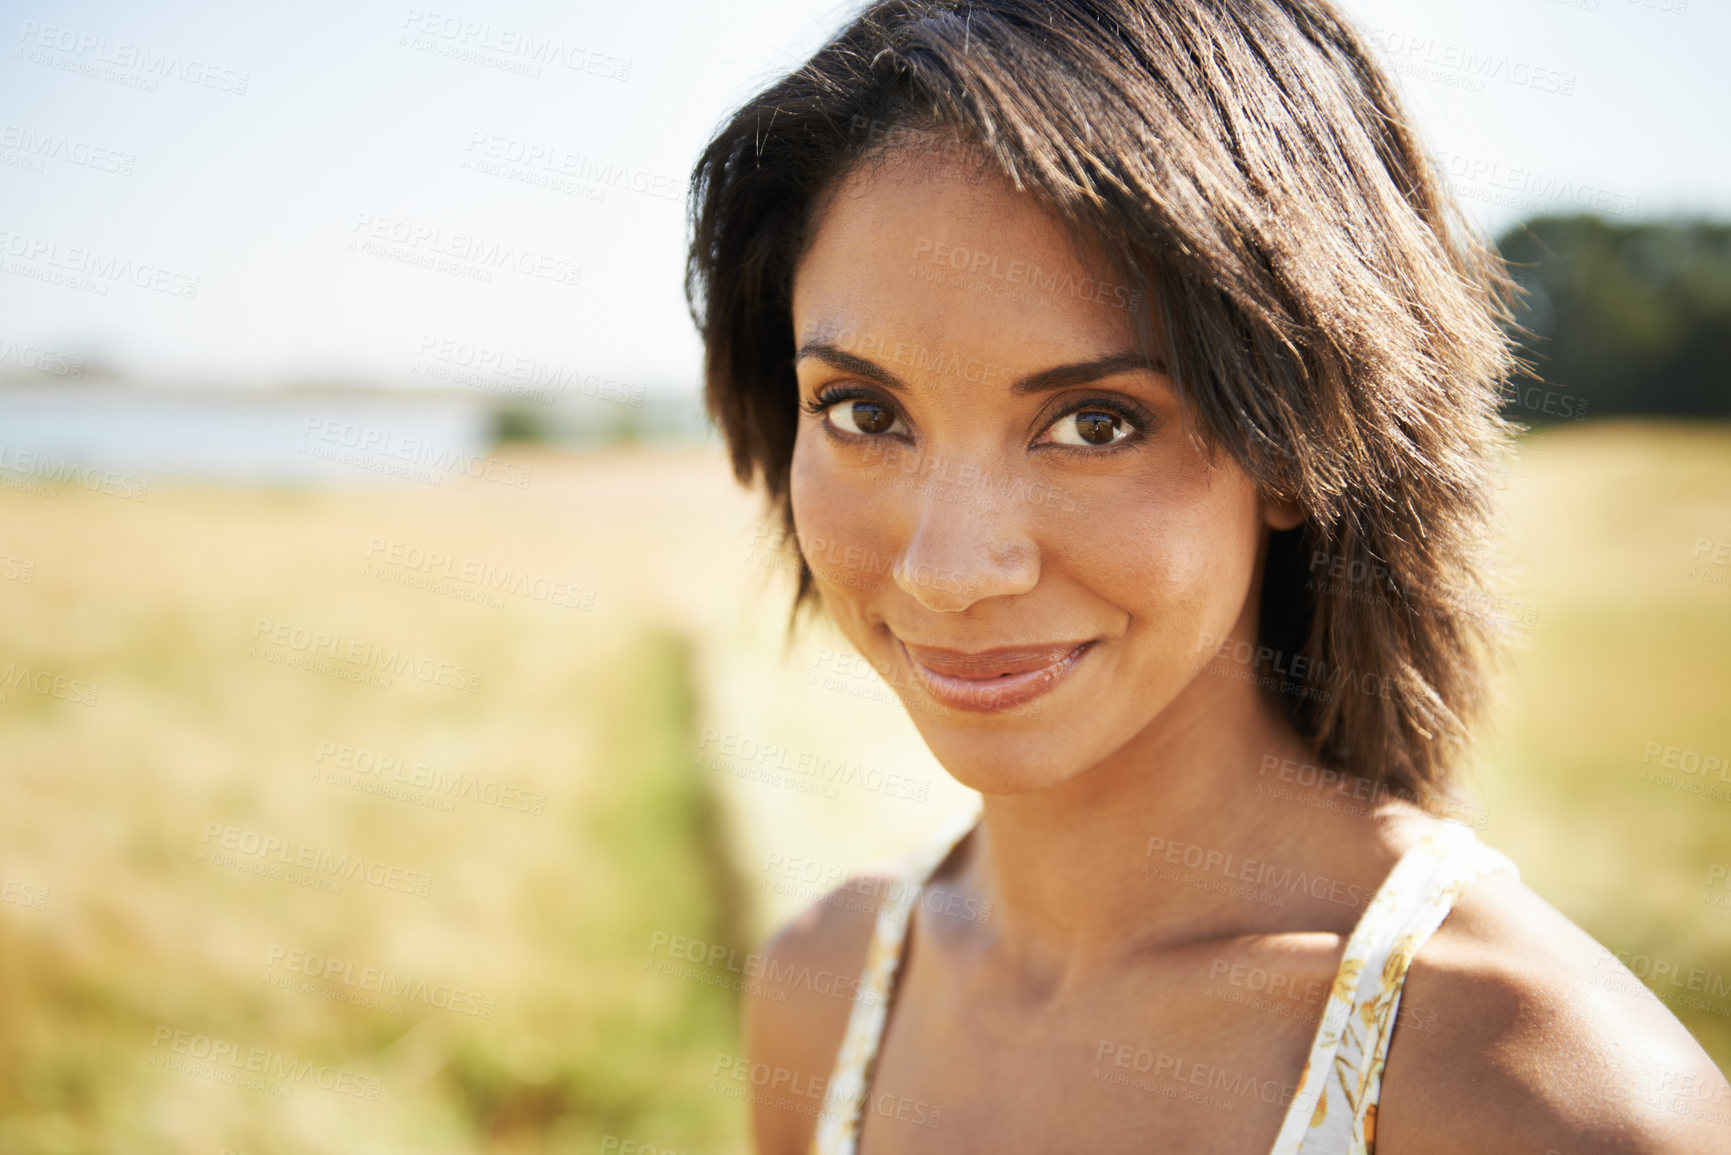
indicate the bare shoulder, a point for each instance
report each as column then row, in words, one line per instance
column 796, row 1013
column 1518, row 1032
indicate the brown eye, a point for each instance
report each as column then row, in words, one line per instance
column 1097, row 427
column 862, row 417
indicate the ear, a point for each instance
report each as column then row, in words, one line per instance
column 1281, row 514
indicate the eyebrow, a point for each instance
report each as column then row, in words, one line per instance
column 1043, row 381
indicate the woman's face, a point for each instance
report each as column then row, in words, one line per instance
column 998, row 495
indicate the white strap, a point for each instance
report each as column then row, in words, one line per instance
column 838, row 1121
column 1343, row 1077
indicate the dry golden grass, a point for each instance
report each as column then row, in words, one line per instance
column 554, row 916
column 545, row 918
column 1629, row 649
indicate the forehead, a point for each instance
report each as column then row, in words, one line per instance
column 925, row 248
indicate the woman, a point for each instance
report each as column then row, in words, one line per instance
column 1141, row 383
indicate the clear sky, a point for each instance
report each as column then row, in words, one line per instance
column 274, row 179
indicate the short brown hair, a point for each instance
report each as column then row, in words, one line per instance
column 1328, row 316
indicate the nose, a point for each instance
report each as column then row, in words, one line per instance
column 970, row 541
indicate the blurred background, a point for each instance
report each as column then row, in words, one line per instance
column 398, row 746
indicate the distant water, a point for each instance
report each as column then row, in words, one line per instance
column 116, row 439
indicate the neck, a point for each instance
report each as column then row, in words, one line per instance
column 1140, row 851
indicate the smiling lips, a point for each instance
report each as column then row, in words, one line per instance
column 988, row 681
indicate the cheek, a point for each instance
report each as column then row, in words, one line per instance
column 1177, row 557
column 844, row 518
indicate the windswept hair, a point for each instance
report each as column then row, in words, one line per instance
column 1330, row 319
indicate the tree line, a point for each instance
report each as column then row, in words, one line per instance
column 1620, row 318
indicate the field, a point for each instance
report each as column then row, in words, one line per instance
column 318, row 838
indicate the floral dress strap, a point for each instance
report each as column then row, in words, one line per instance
column 1334, row 1109
column 838, row 1121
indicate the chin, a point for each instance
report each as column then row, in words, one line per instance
column 996, row 758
